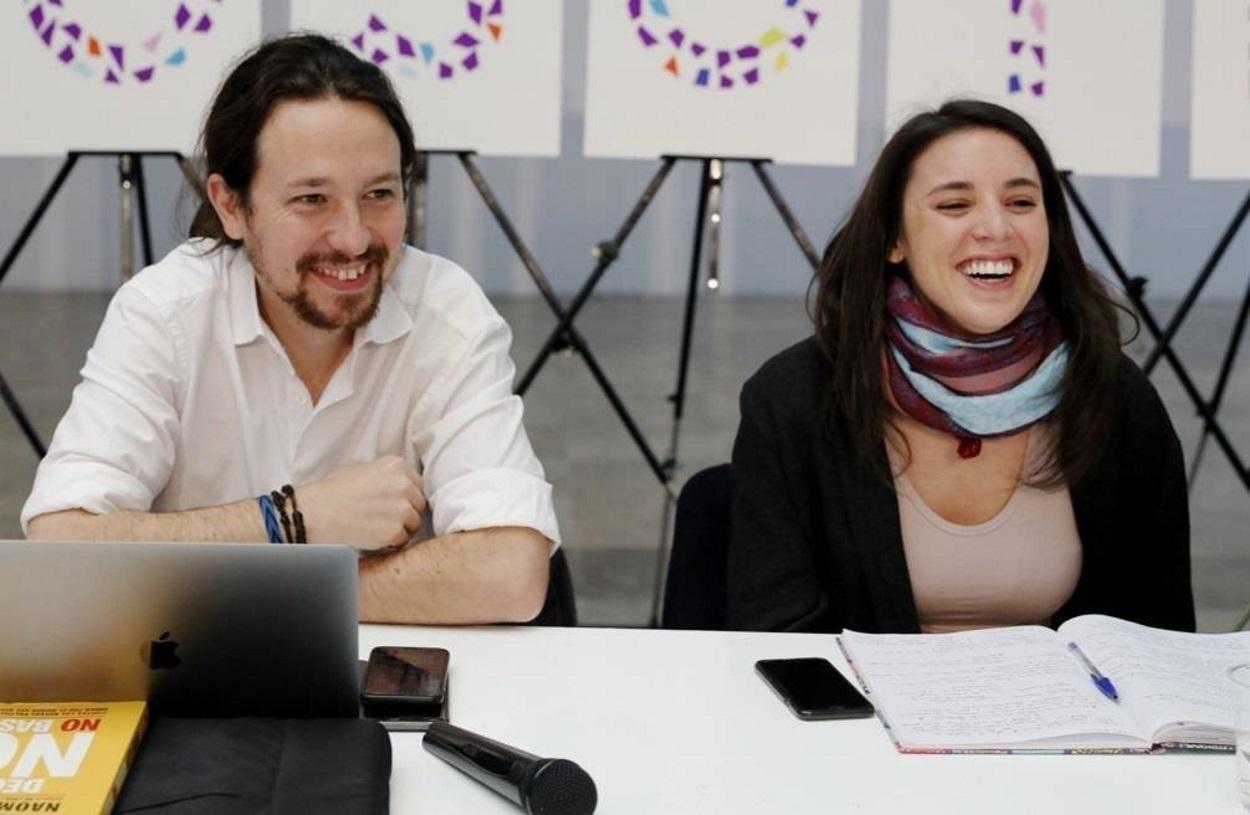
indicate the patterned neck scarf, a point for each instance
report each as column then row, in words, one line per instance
column 972, row 386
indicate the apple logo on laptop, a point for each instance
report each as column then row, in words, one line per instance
column 161, row 656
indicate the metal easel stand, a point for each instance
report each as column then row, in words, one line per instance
column 707, row 219
column 1230, row 352
column 1134, row 288
column 708, row 215
column 1234, row 342
column 131, row 187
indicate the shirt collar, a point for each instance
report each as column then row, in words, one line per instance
column 390, row 323
column 245, row 322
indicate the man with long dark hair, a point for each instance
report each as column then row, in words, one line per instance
column 295, row 373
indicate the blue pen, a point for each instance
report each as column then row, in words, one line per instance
column 1101, row 682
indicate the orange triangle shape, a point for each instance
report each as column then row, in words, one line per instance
column 671, row 66
column 496, row 30
column 93, row 46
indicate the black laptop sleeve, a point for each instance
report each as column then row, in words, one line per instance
column 250, row 766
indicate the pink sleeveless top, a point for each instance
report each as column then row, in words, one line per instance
column 1017, row 568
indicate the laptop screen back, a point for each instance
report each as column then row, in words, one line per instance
column 197, row 629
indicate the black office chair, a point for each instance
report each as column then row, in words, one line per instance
column 560, row 608
column 695, row 592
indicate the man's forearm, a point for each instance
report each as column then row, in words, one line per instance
column 484, row 576
column 237, row 522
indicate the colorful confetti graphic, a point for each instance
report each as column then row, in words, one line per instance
column 117, row 61
column 1031, row 48
column 415, row 57
column 694, row 59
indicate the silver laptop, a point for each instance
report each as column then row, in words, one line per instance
column 197, row 629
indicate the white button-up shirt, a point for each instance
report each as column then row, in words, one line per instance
column 188, row 400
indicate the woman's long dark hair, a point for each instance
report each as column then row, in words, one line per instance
column 849, row 308
column 297, row 66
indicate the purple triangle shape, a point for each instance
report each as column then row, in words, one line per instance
column 465, row 40
column 470, row 62
column 1015, row 6
column 1039, row 51
column 404, row 45
column 73, row 29
column 36, row 17
column 444, row 71
column 111, row 77
column 204, row 24
column 648, row 39
column 359, row 42
column 1038, row 88
column 635, row 9
column 496, row 9
column 119, row 55
column 182, row 16
column 475, row 14
column 1016, row 45
column 698, row 48
column 145, row 74
column 46, row 36
column 375, row 24
column 798, row 41
column 812, row 17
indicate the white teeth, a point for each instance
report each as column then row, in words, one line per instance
column 987, row 268
column 345, row 273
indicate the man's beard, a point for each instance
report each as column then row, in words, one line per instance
column 360, row 308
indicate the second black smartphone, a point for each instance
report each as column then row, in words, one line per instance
column 813, row 689
column 405, row 688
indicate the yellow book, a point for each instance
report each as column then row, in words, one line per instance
column 66, row 757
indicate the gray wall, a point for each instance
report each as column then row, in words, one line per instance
column 1162, row 228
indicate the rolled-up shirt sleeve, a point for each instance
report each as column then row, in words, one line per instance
column 114, row 448
column 479, row 468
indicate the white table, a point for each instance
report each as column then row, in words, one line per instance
column 678, row 722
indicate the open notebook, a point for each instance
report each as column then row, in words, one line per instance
column 1020, row 689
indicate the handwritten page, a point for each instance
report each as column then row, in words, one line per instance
column 984, row 689
column 1169, row 677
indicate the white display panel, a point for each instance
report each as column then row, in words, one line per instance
column 1219, row 135
column 472, row 75
column 772, row 79
column 1088, row 75
column 115, row 76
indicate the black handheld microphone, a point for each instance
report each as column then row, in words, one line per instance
column 540, row 786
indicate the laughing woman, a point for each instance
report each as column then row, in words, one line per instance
column 962, row 443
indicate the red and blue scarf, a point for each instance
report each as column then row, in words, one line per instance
column 972, row 386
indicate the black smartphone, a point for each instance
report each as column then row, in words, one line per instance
column 813, row 689
column 405, row 688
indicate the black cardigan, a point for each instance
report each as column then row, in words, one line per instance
column 815, row 542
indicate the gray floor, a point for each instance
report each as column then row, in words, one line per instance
column 610, row 506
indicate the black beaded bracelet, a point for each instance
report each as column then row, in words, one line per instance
column 301, row 535
column 279, row 501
